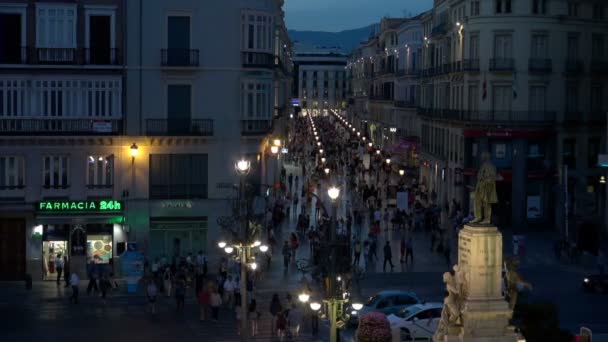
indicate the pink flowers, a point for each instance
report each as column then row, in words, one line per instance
column 374, row 327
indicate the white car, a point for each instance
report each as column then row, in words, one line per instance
column 415, row 323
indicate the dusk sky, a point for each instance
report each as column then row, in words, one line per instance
column 338, row 15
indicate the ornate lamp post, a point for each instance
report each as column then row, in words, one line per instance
column 243, row 245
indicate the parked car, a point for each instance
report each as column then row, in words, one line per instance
column 417, row 322
column 387, row 302
column 596, row 283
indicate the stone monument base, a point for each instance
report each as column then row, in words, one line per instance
column 487, row 320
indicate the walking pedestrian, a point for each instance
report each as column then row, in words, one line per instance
column 152, row 292
column 388, row 256
column 74, row 283
column 357, row 251
column 229, row 287
column 295, row 320
column 275, row 308
column 204, row 300
column 237, row 313
column 294, row 246
column 447, row 252
column 104, row 285
column 93, row 276
column 409, row 251
column 254, row 316
column 66, row 271
column 59, row 268
column 180, row 292
column 402, row 249
column 167, row 281
column 286, row 255
column 215, row 301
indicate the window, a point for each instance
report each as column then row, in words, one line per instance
column 55, row 171
column 56, row 32
column 474, row 98
column 57, row 98
column 598, row 11
column 539, row 6
column 597, row 46
column 100, row 171
column 572, row 47
column 256, row 99
column 503, row 6
column 539, row 46
column 596, row 99
column 572, row 99
column 503, row 44
column 593, row 150
column 474, row 47
column 178, row 176
column 502, row 98
column 12, row 172
column 257, row 31
column 573, row 8
column 537, row 98
column 12, row 34
column 569, row 152
column 474, row 8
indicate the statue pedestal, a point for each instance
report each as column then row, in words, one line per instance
column 485, row 313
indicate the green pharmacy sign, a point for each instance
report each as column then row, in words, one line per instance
column 97, row 206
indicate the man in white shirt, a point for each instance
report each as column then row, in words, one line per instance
column 229, row 286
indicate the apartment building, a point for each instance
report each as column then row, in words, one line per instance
column 120, row 121
column 524, row 81
column 321, row 81
column 384, row 72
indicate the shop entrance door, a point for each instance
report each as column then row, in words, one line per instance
column 12, row 249
column 177, row 239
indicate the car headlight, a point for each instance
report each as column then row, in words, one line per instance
column 586, row 280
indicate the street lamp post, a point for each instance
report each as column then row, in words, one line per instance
column 244, row 246
column 333, row 302
column 242, row 168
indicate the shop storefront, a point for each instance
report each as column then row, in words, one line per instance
column 87, row 232
column 177, row 229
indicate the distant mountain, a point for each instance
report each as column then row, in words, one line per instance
column 344, row 41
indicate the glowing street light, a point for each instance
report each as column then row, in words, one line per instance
column 326, row 171
column 401, row 172
column 242, row 166
column 221, row 244
column 388, row 161
column 333, row 193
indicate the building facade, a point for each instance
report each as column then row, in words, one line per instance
column 321, row 82
column 384, row 72
column 523, row 81
column 121, row 123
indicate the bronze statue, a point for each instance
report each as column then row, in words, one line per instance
column 485, row 190
column 514, row 281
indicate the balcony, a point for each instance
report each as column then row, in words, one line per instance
column 574, row 66
column 599, row 67
column 101, row 56
column 56, row 56
column 502, row 64
column 258, row 60
column 60, row 126
column 179, row 127
column 255, row 127
column 523, row 117
column 179, row 58
column 471, row 65
column 17, row 55
column 539, row 65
